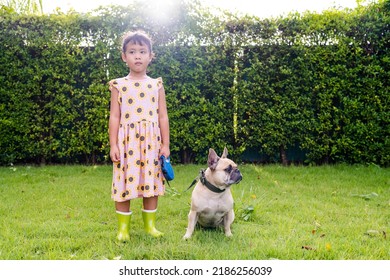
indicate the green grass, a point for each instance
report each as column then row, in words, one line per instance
column 290, row 213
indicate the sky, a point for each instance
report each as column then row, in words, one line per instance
column 260, row 8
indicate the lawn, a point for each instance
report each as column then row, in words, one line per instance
column 336, row 212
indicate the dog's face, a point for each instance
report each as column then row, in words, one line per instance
column 224, row 171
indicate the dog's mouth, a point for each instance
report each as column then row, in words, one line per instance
column 235, row 176
column 238, row 180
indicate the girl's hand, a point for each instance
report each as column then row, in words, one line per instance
column 114, row 154
column 164, row 151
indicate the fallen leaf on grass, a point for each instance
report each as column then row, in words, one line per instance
column 374, row 233
column 366, row 196
column 117, row 258
column 317, row 225
column 308, row 248
column 314, row 231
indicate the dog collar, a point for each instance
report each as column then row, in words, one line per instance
column 208, row 185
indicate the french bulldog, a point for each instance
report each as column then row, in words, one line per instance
column 211, row 199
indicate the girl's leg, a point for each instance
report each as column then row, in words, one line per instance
column 149, row 216
column 150, row 203
column 122, row 206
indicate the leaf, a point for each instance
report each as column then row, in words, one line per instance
column 247, row 212
column 317, row 224
column 372, row 232
column 246, row 217
column 308, row 248
column 366, row 196
column 376, row 233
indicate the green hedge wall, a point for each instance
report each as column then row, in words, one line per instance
column 53, row 93
column 309, row 88
column 322, row 87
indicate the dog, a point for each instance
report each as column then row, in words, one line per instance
column 211, row 199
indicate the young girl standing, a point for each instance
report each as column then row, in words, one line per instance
column 139, row 135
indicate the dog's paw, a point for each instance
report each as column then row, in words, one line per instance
column 186, row 236
column 229, row 234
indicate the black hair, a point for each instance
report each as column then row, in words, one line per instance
column 138, row 37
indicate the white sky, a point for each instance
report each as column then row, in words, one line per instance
column 260, row 8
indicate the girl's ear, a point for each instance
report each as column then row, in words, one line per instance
column 123, row 56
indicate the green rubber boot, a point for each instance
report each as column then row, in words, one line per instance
column 124, row 219
column 149, row 217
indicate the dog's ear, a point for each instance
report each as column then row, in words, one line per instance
column 213, row 159
column 225, row 153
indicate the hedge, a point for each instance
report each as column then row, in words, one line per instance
column 309, row 87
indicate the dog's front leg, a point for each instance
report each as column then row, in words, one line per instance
column 227, row 221
column 192, row 220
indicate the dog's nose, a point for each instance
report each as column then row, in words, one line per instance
column 238, row 175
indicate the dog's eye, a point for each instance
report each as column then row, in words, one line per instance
column 229, row 169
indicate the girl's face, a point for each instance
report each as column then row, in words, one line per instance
column 137, row 58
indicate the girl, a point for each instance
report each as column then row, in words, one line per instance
column 139, row 135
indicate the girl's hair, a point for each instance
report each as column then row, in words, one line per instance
column 137, row 37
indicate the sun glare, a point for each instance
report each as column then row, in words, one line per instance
column 161, row 11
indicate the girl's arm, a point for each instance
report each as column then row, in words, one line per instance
column 113, row 125
column 163, row 122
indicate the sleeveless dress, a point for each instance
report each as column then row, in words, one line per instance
column 138, row 174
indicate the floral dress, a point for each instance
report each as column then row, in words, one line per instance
column 138, row 174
